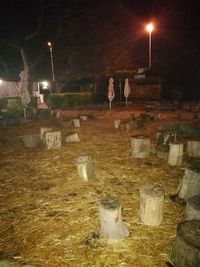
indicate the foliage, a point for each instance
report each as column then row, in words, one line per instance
column 63, row 101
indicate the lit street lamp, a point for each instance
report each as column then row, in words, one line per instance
column 150, row 28
column 51, row 56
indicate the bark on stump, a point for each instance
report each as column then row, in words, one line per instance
column 140, row 146
column 175, row 156
column 186, row 248
column 53, row 139
column 112, row 227
column 72, row 138
column 151, row 204
column 193, row 149
column 85, row 167
column 189, row 185
column 43, row 131
column 76, row 123
column 192, row 211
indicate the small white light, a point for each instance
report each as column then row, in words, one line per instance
column 150, row 27
column 1, row 81
column 45, row 84
column 49, row 44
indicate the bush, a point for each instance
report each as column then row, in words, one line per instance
column 63, row 101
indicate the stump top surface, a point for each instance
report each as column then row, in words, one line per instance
column 152, row 190
column 140, row 137
column 110, row 203
column 194, row 202
column 189, row 231
column 83, row 159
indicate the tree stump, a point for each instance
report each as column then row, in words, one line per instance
column 112, row 227
column 193, row 149
column 151, row 204
column 72, row 137
column 140, row 146
column 31, row 141
column 189, row 185
column 186, row 248
column 192, row 211
column 76, row 123
column 175, row 156
column 53, row 139
column 43, row 131
column 162, row 143
column 83, row 117
column 117, row 124
column 85, row 167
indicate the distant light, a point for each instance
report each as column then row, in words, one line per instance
column 49, row 44
column 44, row 84
column 150, row 27
column 1, row 81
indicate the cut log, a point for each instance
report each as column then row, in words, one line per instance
column 83, row 117
column 31, row 141
column 43, row 131
column 76, row 123
column 193, row 149
column 151, row 204
column 117, row 124
column 175, row 156
column 112, row 227
column 72, row 137
column 53, row 139
column 189, row 185
column 192, row 211
column 186, row 248
column 85, row 167
column 140, row 146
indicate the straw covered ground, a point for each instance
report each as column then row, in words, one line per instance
column 49, row 216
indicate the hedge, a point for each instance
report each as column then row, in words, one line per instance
column 63, row 101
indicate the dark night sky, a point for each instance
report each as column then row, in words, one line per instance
column 175, row 42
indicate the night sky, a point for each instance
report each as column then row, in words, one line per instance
column 91, row 37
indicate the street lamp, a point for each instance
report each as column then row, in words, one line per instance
column 149, row 29
column 51, row 56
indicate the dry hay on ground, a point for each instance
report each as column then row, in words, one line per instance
column 50, row 217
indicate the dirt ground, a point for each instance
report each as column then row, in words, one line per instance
column 49, row 216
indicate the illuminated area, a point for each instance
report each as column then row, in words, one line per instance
column 150, row 27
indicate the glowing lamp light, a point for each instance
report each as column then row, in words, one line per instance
column 49, row 44
column 44, row 84
column 1, row 81
column 150, row 27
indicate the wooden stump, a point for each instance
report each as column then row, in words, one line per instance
column 189, row 185
column 193, row 149
column 43, row 131
column 162, row 143
column 175, row 156
column 192, row 211
column 53, row 139
column 83, row 117
column 112, row 227
column 186, row 248
column 31, row 141
column 76, row 123
column 85, row 167
column 72, row 137
column 140, row 146
column 117, row 124
column 151, row 204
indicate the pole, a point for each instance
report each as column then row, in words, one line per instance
column 149, row 49
column 52, row 65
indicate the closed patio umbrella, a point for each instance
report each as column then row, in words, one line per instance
column 127, row 90
column 111, row 91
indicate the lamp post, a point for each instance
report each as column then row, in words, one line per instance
column 150, row 28
column 51, row 56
